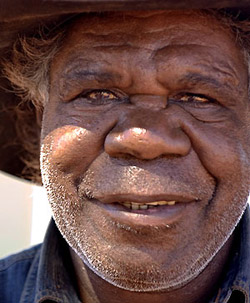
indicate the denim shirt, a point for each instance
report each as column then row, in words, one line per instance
column 44, row 272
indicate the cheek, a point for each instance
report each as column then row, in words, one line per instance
column 70, row 149
column 222, row 150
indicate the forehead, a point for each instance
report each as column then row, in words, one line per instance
column 150, row 29
column 127, row 33
column 144, row 45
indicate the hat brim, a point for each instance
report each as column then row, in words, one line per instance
column 24, row 18
column 41, row 8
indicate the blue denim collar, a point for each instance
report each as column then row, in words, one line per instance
column 52, row 272
column 235, row 287
column 53, row 276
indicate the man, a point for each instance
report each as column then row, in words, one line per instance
column 145, row 159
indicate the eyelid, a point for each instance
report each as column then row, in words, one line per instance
column 115, row 92
column 87, row 94
column 194, row 95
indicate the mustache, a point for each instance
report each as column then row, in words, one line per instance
column 107, row 177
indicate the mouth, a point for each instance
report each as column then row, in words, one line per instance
column 141, row 213
column 145, row 206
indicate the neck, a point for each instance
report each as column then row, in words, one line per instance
column 93, row 289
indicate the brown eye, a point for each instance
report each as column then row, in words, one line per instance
column 192, row 98
column 101, row 95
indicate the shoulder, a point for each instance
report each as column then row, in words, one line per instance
column 14, row 271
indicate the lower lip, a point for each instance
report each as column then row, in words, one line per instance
column 157, row 216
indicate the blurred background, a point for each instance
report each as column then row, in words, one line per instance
column 24, row 212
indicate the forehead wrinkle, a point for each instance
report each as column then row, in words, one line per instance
column 124, row 42
column 116, row 38
column 127, row 48
column 170, row 48
column 109, row 47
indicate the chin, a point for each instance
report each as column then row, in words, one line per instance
column 128, row 264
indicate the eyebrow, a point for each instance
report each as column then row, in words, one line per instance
column 81, row 77
column 196, row 78
column 88, row 74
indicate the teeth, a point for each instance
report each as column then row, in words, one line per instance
column 136, row 206
column 161, row 203
column 171, row 203
column 144, row 206
column 128, row 205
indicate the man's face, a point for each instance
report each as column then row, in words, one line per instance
column 146, row 109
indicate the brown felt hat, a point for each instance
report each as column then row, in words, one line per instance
column 19, row 16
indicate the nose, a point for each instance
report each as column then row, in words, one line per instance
column 146, row 134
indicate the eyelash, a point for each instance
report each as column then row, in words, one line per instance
column 117, row 96
column 196, row 99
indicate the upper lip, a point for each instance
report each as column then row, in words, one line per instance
column 122, row 198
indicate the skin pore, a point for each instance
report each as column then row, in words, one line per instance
column 147, row 107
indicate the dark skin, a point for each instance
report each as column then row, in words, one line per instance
column 147, row 108
column 93, row 289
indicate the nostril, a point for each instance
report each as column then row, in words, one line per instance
column 146, row 144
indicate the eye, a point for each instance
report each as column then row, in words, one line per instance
column 192, row 98
column 101, row 96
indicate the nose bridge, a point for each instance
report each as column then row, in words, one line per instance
column 149, row 101
column 147, row 134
